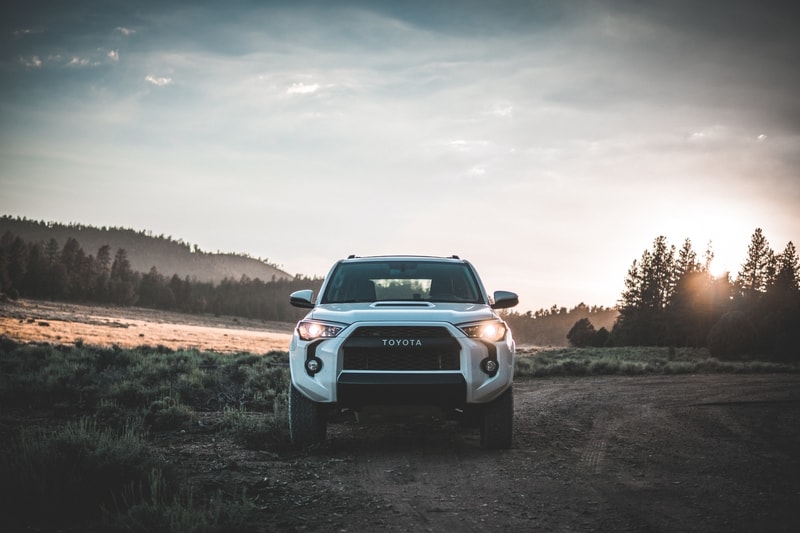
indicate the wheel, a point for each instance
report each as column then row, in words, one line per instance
column 497, row 422
column 307, row 419
column 471, row 417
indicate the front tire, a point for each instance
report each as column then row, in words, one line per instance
column 497, row 422
column 308, row 421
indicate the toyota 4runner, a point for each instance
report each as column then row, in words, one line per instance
column 407, row 330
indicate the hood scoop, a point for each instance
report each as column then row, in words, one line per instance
column 402, row 304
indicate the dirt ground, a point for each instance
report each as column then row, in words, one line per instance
column 710, row 453
column 705, row 453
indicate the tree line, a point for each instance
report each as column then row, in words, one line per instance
column 145, row 250
column 551, row 327
column 45, row 270
column 670, row 298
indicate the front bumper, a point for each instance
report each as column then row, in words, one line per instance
column 469, row 384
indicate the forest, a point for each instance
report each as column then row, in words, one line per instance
column 145, row 250
column 670, row 297
column 46, row 270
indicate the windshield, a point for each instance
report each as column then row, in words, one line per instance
column 400, row 280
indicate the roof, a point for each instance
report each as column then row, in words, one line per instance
column 354, row 257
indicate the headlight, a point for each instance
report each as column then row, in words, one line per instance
column 308, row 330
column 492, row 330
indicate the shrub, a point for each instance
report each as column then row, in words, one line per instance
column 164, row 512
column 70, row 473
column 256, row 431
column 167, row 413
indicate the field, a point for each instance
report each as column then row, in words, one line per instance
column 62, row 323
column 672, row 448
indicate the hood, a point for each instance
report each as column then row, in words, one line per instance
column 454, row 313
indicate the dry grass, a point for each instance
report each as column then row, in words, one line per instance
column 64, row 324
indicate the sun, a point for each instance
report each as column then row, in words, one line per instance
column 721, row 263
column 718, row 270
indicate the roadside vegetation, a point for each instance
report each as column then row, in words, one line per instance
column 634, row 361
column 80, row 425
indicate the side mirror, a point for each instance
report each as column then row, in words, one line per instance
column 504, row 299
column 302, row 299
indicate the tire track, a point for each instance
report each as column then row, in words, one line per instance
column 594, row 452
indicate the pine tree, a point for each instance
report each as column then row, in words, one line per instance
column 649, row 286
column 52, row 251
column 758, row 271
column 658, row 275
column 687, row 260
column 122, row 281
column 104, row 258
column 689, row 307
column 101, row 273
column 788, row 269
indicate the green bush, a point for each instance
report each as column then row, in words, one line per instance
column 78, row 378
column 164, row 512
column 69, row 473
column 167, row 413
column 256, row 431
column 630, row 361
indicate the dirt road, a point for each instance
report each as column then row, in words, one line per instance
column 688, row 453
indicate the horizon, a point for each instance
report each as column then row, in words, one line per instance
column 549, row 144
column 193, row 248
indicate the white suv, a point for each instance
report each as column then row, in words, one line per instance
column 407, row 330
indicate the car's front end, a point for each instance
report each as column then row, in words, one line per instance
column 399, row 330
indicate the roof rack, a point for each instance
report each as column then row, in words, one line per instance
column 354, row 256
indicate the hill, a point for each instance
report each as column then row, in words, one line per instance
column 145, row 251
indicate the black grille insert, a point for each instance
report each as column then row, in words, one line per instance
column 401, row 348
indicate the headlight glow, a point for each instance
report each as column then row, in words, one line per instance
column 308, row 330
column 493, row 330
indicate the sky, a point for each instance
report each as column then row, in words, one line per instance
column 548, row 142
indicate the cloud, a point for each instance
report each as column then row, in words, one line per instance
column 79, row 62
column 31, row 62
column 460, row 145
column 578, row 111
column 158, row 81
column 303, row 88
column 503, row 110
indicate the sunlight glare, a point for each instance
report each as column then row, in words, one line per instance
column 718, row 270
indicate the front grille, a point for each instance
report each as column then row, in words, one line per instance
column 401, row 348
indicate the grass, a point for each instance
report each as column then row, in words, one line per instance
column 71, row 472
column 632, row 361
column 80, row 377
column 91, row 461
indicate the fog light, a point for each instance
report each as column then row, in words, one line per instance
column 490, row 366
column 313, row 365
